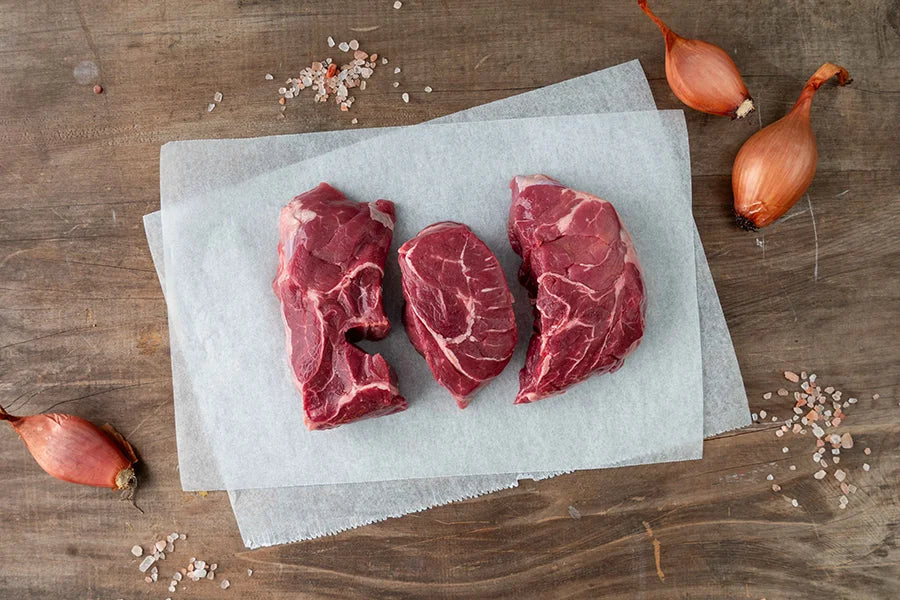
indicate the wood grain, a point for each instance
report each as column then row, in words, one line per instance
column 83, row 322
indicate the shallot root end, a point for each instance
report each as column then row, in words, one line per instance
column 744, row 109
column 745, row 223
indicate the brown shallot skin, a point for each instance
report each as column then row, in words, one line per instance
column 702, row 75
column 75, row 450
column 773, row 169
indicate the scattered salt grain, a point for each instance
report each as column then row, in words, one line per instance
column 762, row 414
column 793, row 467
column 177, row 576
column 146, row 563
column 846, row 441
column 217, row 96
column 770, row 477
column 836, row 459
column 396, row 84
column 249, row 572
column 782, row 392
column 876, row 396
column 398, row 5
column 866, row 467
column 791, row 376
column 225, row 584
column 344, row 47
column 269, row 77
column 171, row 588
column 867, row 452
column 354, row 45
column 160, row 545
column 210, row 107
column 785, row 450
column 820, row 474
column 794, row 503
column 776, row 487
column 396, row 70
column 767, row 395
column 840, row 475
column 138, row 551
column 330, row 41
column 428, row 89
column 354, row 120
column 405, row 97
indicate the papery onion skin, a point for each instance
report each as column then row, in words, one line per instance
column 702, row 75
column 774, row 168
column 75, row 450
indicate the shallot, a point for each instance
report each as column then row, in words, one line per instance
column 75, row 450
column 775, row 166
column 702, row 75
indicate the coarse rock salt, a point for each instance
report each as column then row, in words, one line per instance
column 137, row 550
column 846, row 441
column 820, row 474
column 344, row 47
column 354, row 45
column 840, row 475
column 782, row 392
column 767, row 395
column 762, row 414
column 791, row 376
column 146, row 563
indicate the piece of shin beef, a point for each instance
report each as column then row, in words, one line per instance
column 332, row 253
column 580, row 268
column 458, row 311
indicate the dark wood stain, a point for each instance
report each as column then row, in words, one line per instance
column 78, row 292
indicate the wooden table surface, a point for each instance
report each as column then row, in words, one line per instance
column 83, row 321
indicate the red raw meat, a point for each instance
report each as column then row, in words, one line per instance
column 331, row 261
column 458, row 311
column 581, row 270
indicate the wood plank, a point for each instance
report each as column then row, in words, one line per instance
column 83, row 322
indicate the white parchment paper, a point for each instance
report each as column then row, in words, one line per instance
column 279, row 515
column 226, row 321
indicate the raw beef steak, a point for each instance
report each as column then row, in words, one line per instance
column 331, row 260
column 581, row 270
column 458, row 311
